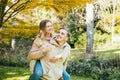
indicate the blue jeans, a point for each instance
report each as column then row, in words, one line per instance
column 65, row 75
column 38, row 72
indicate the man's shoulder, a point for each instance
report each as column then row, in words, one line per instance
column 67, row 45
column 52, row 41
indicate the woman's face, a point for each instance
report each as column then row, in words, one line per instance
column 49, row 28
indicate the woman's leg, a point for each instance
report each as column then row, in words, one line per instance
column 65, row 75
column 38, row 71
column 38, row 68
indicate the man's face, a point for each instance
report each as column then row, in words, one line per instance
column 62, row 35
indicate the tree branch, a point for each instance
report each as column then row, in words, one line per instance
column 17, row 10
column 12, row 7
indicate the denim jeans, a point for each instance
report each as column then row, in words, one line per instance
column 38, row 71
column 65, row 75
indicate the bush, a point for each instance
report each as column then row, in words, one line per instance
column 99, row 39
column 96, row 68
column 17, row 57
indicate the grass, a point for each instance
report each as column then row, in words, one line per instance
column 19, row 73
column 104, row 53
column 14, row 73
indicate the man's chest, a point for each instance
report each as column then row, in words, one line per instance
column 55, row 51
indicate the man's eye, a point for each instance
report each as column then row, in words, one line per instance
column 62, row 33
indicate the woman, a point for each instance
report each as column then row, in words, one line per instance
column 39, row 49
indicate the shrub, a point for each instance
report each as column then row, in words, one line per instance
column 99, row 39
column 96, row 68
column 17, row 57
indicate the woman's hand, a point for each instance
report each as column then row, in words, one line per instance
column 45, row 48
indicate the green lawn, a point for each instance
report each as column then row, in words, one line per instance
column 104, row 53
column 18, row 73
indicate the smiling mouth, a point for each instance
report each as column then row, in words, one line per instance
column 58, row 37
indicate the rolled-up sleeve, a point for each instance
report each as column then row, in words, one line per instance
column 35, row 51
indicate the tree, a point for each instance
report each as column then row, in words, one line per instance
column 9, row 9
column 16, row 6
column 90, row 29
column 107, row 16
column 2, row 10
column 113, row 20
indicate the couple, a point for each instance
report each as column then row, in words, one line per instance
column 49, row 54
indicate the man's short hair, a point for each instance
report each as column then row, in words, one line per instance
column 68, row 34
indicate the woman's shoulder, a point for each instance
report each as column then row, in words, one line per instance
column 37, row 39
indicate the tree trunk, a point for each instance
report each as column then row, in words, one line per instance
column 13, row 41
column 113, row 20
column 3, row 5
column 90, row 30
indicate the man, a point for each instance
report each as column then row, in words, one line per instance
column 55, row 61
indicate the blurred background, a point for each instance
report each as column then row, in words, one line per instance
column 95, row 36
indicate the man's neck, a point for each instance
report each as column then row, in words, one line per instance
column 60, row 43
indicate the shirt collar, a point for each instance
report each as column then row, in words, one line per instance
column 53, row 42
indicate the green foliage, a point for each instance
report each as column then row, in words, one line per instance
column 117, row 29
column 100, row 38
column 78, row 31
column 74, row 33
column 17, row 57
column 81, row 42
column 21, row 73
column 109, row 74
column 74, row 26
column 79, row 39
column 96, row 68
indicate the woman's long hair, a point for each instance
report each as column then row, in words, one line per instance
column 42, row 27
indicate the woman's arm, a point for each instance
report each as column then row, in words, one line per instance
column 38, row 51
column 62, row 55
column 65, row 52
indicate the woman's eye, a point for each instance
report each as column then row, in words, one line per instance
column 49, row 26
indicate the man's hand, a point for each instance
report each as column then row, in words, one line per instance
column 53, row 59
